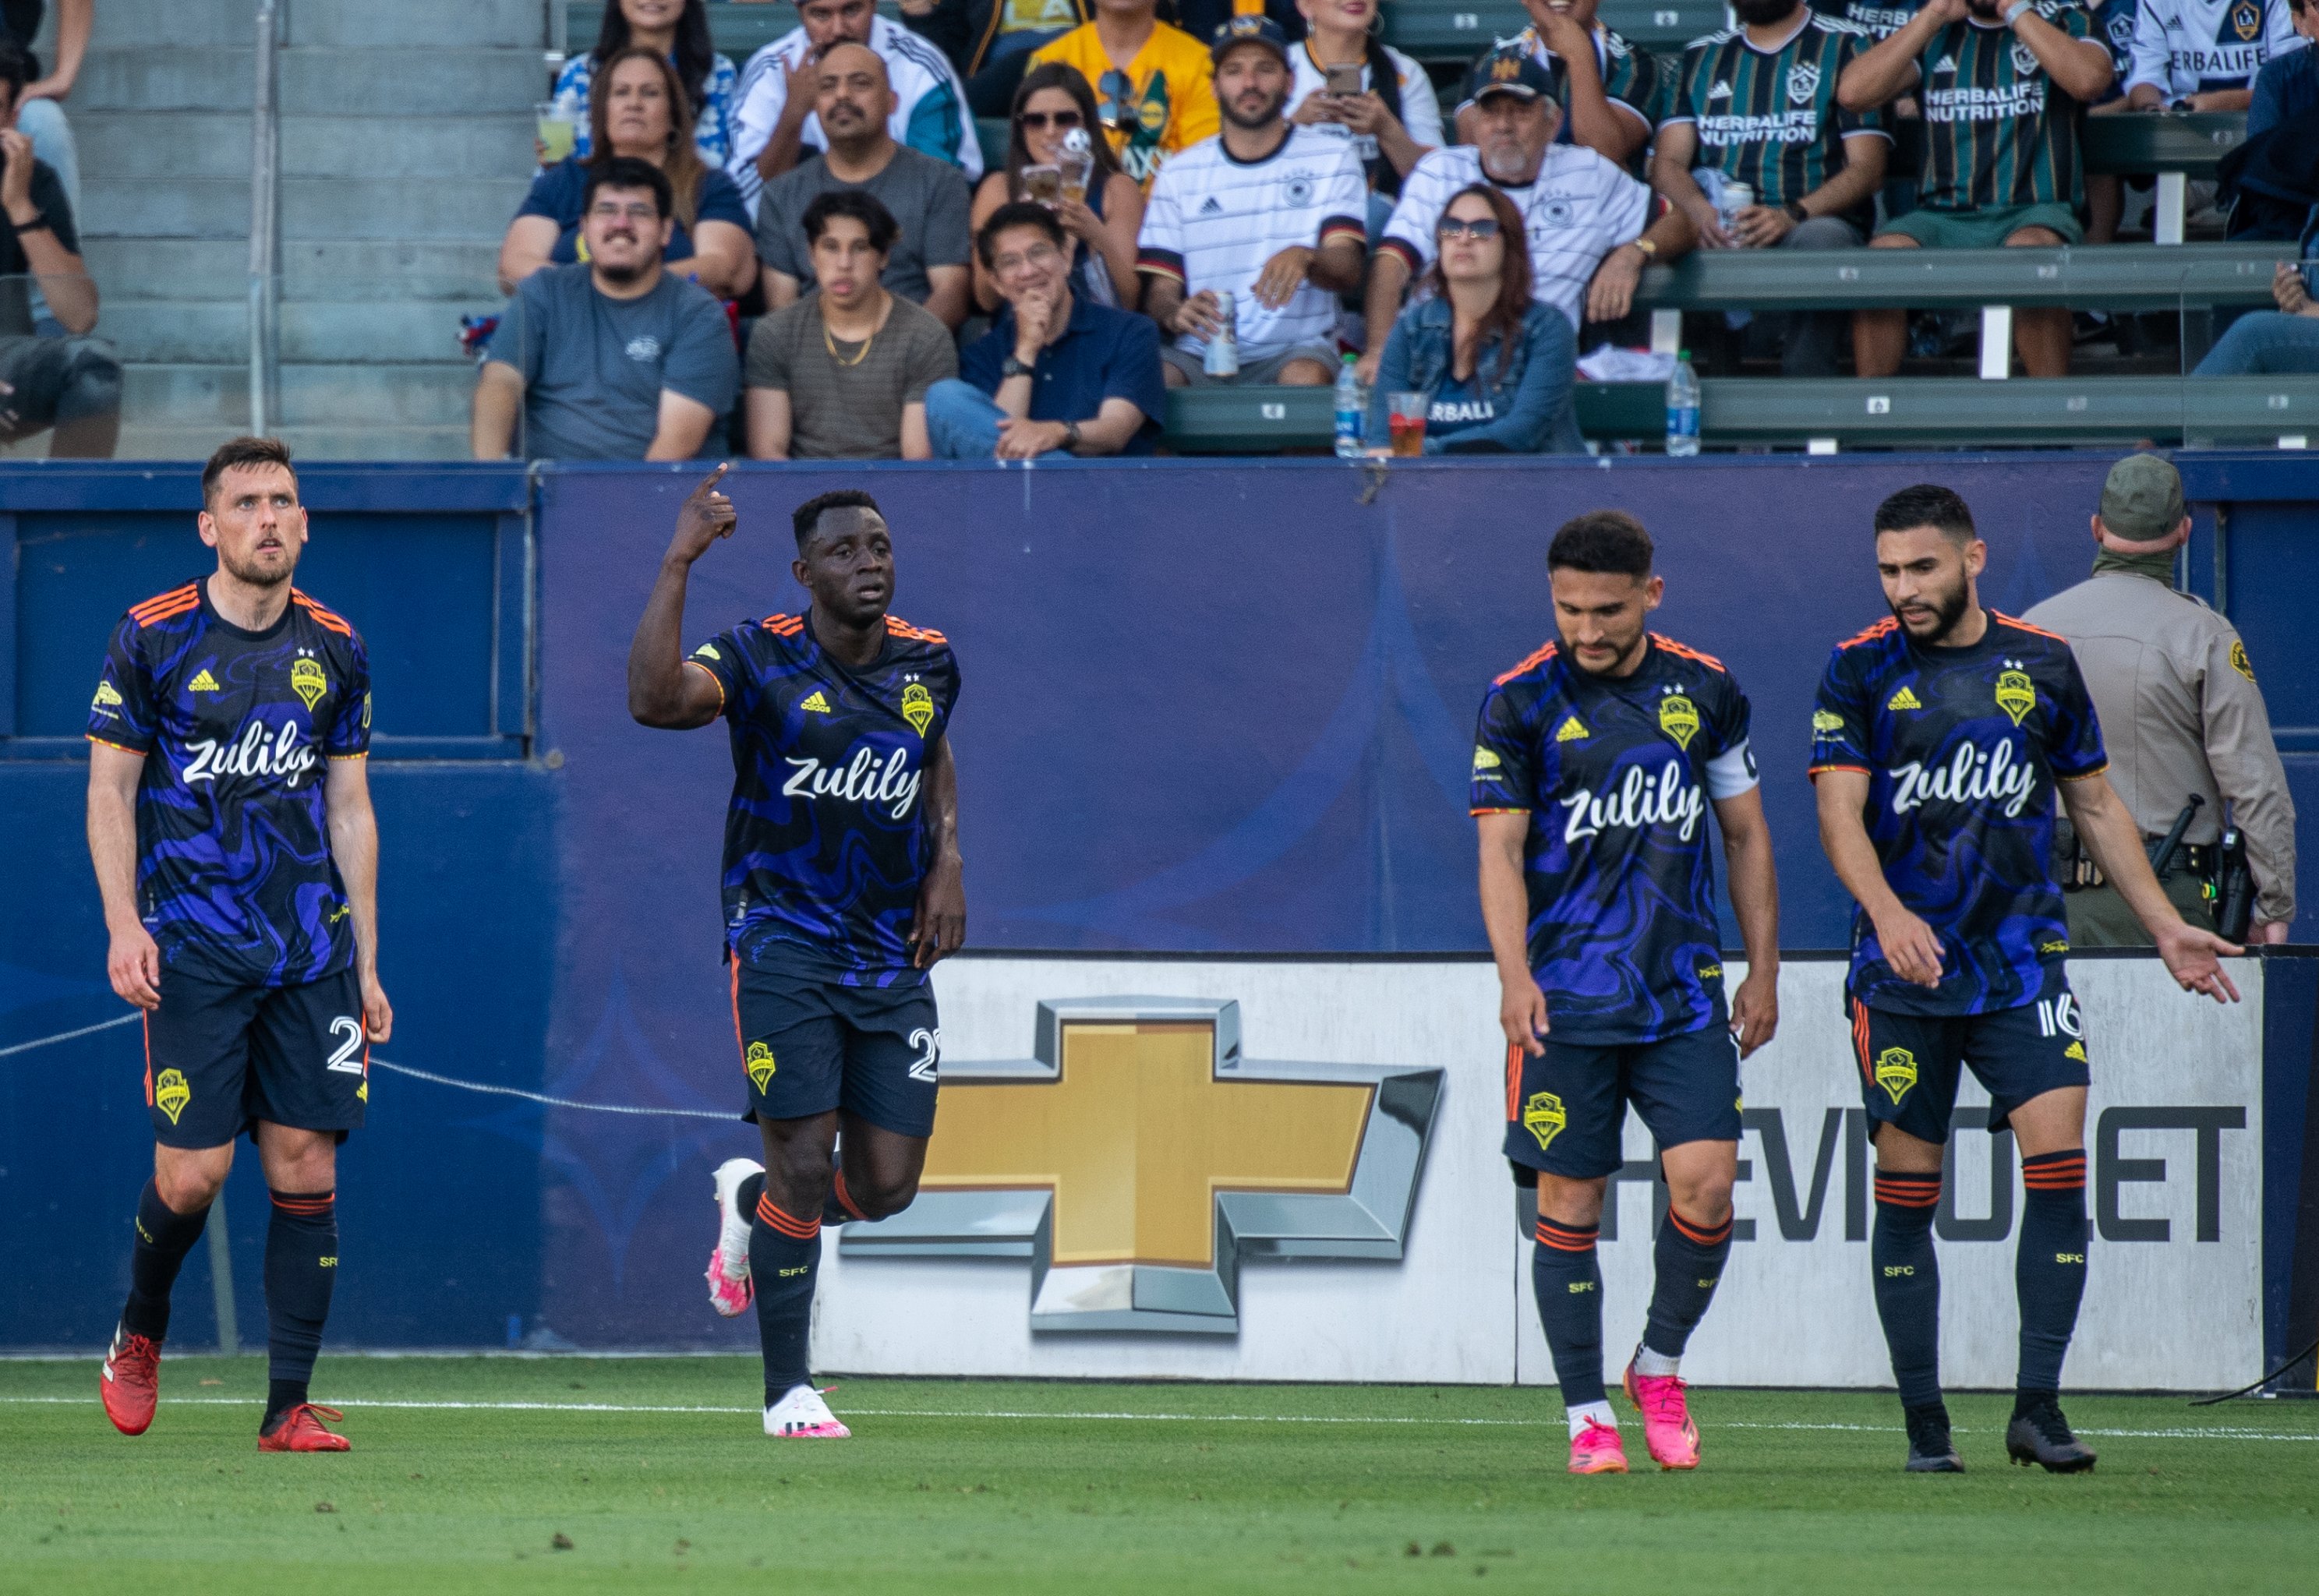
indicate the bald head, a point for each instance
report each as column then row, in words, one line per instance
column 853, row 100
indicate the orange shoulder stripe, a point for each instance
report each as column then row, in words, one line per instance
column 1531, row 663
column 783, row 626
column 899, row 628
column 155, row 616
column 175, row 599
column 328, row 619
column 1871, row 633
column 1687, row 652
column 2023, row 626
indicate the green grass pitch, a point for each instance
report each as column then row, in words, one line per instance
column 468, row 1474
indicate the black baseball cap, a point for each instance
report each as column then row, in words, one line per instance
column 1513, row 71
column 1250, row 30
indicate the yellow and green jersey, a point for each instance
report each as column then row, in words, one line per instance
column 1162, row 101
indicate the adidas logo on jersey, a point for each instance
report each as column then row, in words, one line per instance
column 815, row 703
column 1721, row 91
column 1904, row 699
column 1211, row 208
column 1571, row 731
column 1945, row 66
column 204, row 683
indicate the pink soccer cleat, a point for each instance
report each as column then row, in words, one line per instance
column 1667, row 1428
column 802, row 1416
column 730, row 1289
column 1597, row 1451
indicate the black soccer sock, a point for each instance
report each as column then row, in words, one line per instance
column 164, row 1237
column 1690, row 1259
column 750, row 1192
column 784, row 1252
column 1568, row 1277
column 839, row 1207
column 301, row 1262
column 1909, row 1283
column 2049, row 1271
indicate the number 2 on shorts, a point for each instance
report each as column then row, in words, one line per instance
column 350, row 1029
column 929, row 1043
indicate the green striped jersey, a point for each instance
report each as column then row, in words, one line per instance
column 1769, row 118
column 1998, row 131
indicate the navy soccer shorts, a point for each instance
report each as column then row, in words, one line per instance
column 1566, row 1112
column 1910, row 1065
column 809, row 1046
column 219, row 1058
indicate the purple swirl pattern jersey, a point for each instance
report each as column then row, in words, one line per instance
column 235, row 879
column 825, row 841
column 1615, row 774
column 1962, row 747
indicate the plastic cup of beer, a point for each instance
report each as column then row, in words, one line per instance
column 1076, row 165
column 1043, row 184
column 1405, row 420
column 559, row 131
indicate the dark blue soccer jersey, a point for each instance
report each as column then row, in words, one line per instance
column 234, row 875
column 1615, row 774
column 1962, row 747
column 826, row 842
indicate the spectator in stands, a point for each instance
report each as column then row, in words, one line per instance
column 842, row 374
column 1266, row 211
column 1154, row 85
column 2113, row 26
column 40, row 106
column 774, row 127
column 1588, row 223
column 2203, row 55
column 2288, row 84
column 926, row 196
column 990, row 41
column 70, row 382
column 1055, row 375
column 677, row 31
column 611, row 358
column 1053, row 102
column 2004, row 97
column 1393, row 120
column 2273, row 343
column 1608, row 89
column 641, row 115
column 1495, row 365
column 1755, row 104
column 2270, row 181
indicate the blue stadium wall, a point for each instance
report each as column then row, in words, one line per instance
column 1206, row 708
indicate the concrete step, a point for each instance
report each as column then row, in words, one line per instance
column 145, row 25
column 399, row 207
column 217, row 332
column 413, row 395
column 455, row 81
column 346, row 148
column 167, row 207
column 129, row 269
column 421, row 23
column 194, row 77
column 306, row 443
column 171, row 144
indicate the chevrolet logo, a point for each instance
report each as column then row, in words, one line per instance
column 1138, row 1159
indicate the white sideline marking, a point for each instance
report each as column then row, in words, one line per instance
column 2180, row 1434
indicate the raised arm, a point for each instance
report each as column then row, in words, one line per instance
column 133, row 962
column 353, row 848
column 2080, row 67
column 1888, row 70
column 663, row 690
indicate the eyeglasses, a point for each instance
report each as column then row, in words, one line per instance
column 1041, row 121
column 1480, row 229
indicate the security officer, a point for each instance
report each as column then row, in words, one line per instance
column 2180, row 712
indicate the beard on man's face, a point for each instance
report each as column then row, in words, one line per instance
column 1263, row 116
column 1947, row 608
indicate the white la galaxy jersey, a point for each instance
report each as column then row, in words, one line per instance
column 2188, row 47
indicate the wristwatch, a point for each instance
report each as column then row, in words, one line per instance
column 39, row 221
column 1795, row 210
column 1012, row 367
column 1070, row 435
column 1648, row 245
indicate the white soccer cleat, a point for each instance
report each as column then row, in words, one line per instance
column 803, row 1416
column 730, row 1289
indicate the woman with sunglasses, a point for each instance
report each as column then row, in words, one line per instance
column 1495, row 366
column 1053, row 102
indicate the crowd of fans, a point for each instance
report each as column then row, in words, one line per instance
column 1262, row 204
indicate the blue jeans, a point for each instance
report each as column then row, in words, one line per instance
column 963, row 423
column 2268, row 343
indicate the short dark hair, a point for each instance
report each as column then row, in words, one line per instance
column 629, row 171
column 238, row 452
column 15, row 68
column 1016, row 214
column 864, row 207
column 1927, row 504
column 1609, row 541
column 807, row 516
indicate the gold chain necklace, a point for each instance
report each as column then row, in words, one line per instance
column 830, row 343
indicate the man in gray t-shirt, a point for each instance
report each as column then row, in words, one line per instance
column 929, row 198
column 612, row 359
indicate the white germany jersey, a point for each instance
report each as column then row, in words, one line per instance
column 1212, row 222
column 2186, row 47
column 1578, row 208
column 1420, row 107
column 930, row 111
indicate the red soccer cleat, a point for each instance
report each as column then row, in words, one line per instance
column 1668, row 1428
column 132, row 1382
column 301, row 1431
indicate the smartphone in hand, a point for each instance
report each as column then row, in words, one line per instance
column 1344, row 79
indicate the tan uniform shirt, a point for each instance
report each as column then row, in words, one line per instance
column 2181, row 713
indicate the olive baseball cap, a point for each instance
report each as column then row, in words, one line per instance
column 2141, row 501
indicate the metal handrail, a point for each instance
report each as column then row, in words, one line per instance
column 264, row 225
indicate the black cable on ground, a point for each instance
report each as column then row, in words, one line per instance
column 2208, row 1401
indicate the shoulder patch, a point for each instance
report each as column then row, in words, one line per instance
column 783, row 626
column 2239, row 661
column 1530, row 664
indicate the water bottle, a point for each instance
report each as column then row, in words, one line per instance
column 1682, row 408
column 1352, row 412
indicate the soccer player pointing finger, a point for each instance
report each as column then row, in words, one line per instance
column 1596, row 761
column 841, row 889
column 1940, row 739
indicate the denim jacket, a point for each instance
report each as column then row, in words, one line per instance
column 1533, row 395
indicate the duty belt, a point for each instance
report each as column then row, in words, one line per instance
column 2195, row 858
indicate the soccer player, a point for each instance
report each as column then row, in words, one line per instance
column 841, row 889
column 230, row 820
column 1941, row 737
column 1596, row 760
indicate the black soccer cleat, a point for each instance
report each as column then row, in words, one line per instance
column 2040, row 1435
column 1930, row 1450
